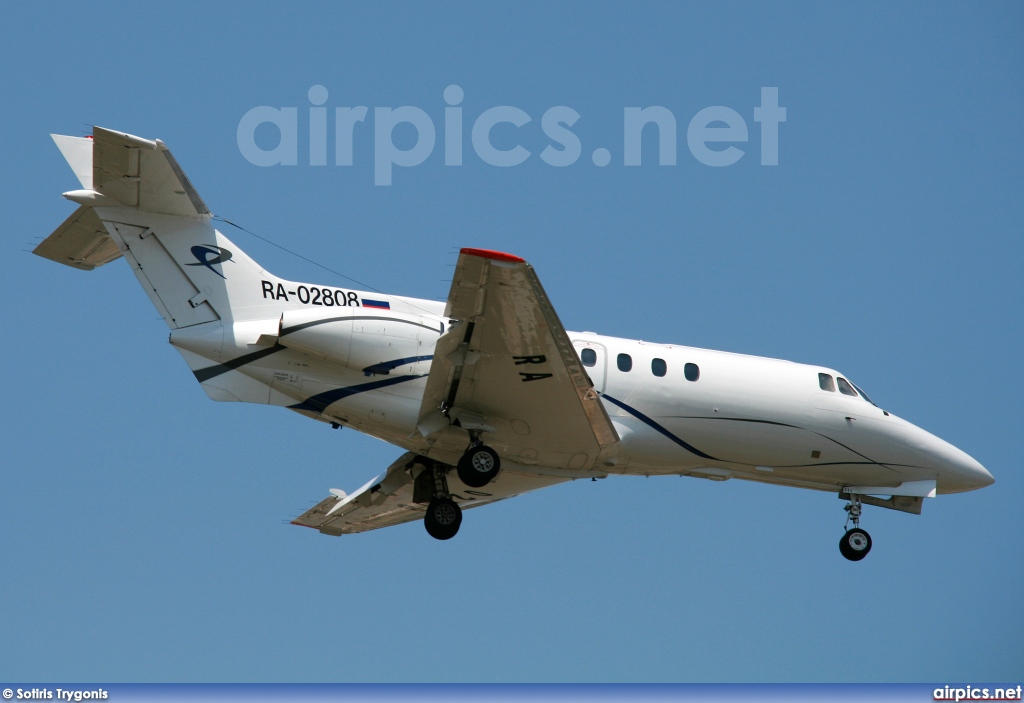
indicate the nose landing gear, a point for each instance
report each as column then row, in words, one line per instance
column 856, row 543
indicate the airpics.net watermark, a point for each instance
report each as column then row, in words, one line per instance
column 717, row 125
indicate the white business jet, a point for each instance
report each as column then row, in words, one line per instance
column 488, row 394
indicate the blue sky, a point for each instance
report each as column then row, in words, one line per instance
column 144, row 528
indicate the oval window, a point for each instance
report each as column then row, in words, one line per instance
column 589, row 357
column 624, row 362
column 658, row 367
column 692, row 372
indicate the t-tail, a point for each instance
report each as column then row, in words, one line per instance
column 223, row 309
column 136, row 202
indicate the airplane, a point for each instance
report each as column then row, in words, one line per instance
column 487, row 393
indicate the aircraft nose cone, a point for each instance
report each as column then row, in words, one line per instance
column 977, row 475
column 968, row 473
column 956, row 471
column 959, row 471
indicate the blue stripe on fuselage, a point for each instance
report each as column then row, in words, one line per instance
column 648, row 421
column 320, row 402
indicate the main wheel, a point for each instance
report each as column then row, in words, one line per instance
column 442, row 518
column 478, row 466
column 855, row 544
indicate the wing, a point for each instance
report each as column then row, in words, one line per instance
column 507, row 367
column 400, row 497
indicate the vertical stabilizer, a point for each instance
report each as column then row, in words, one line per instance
column 136, row 202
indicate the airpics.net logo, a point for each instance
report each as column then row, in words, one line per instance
column 715, row 136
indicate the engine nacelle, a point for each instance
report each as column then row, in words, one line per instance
column 216, row 340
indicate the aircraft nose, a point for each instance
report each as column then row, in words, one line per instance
column 968, row 473
column 976, row 475
column 960, row 471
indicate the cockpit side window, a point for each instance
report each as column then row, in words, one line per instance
column 845, row 388
column 826, row 383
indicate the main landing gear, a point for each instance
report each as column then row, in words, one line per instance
column 443, row 516
column 856, row 543
column 479, row 465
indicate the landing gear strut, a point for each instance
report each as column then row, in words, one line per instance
column 856, row 543
column 443, row 516
column 479, row 465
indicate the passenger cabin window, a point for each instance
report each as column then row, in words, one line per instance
column 624, row 362
column 826, row 383
column 658, row 367
column 845, row 388
column 692, row 372
column 589, row 357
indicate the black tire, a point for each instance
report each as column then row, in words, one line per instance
column 478, row 466
column 442, row 518
column 855, row 544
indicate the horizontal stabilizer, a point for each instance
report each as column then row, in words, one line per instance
column 141, row 173
column 118, row 169
column 81, row 242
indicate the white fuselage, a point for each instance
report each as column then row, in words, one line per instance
column 743, row 416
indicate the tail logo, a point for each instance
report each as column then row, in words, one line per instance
column 204, row 253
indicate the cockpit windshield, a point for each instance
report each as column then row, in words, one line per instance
column 845, row 387
column 827, row 383
column 863, row 395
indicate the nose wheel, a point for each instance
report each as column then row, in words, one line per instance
column 856, row 543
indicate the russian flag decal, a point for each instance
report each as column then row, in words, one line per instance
column 381, row 304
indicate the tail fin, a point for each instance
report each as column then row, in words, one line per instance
column 136, row 202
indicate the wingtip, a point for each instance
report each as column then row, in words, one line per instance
column 491, row 254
